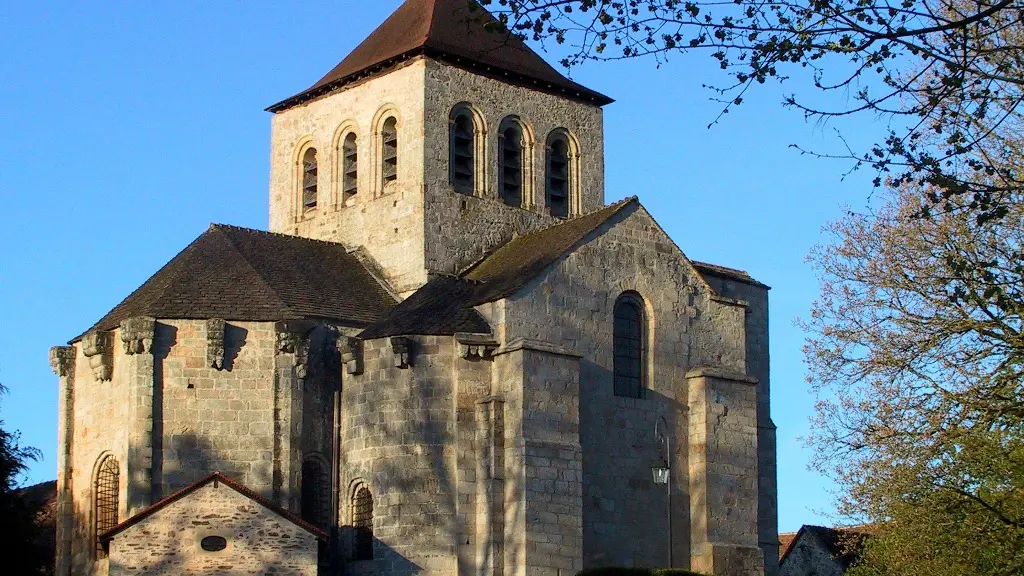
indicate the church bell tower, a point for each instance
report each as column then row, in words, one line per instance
column 434, row 141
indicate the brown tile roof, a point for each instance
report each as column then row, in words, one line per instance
column 785, row 541
column 445, row 304
column 249, row 275
column 460, row 32
column 215, row 477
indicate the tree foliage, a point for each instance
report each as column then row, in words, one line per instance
column 942, row 74
column 17, row 515
column 923, row 425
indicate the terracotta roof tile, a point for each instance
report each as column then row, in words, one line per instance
column 458, row 31
column 249, row 275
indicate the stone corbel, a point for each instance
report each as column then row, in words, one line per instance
column 62, row 360
column 351, row 350
column 293, row 338
column 215, row 328
column 402, row 348
column 137, row 334
column 97, row 348
column 476, row 346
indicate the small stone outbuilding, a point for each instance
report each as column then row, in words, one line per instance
column 821, row 551
column 214, row 526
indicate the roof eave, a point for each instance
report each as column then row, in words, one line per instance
column 583, row 94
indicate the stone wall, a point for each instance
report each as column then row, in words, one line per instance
column 174, row 400
column 571, row 305
column 543, row 460
column 216, row 420
column 102, row 425
column 460, row 228
column 259, row 541
column 723, row 473
column 398, row 439
column 809, row 556
column 756, row 297
column 420, row 224
column 387, row 223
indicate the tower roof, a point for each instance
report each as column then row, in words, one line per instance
column 460, row 32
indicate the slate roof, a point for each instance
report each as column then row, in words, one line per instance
column 460, row 32
column 445, row 304
column 215, row 477
column 707, row 269
column 249, row 275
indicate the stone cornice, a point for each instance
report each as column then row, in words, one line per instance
column 720, row 374
column 536, row 346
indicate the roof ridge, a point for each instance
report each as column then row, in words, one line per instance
column 215, row 225
column 189, row 489
column 255, row 270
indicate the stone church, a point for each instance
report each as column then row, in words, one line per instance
column 448, row 355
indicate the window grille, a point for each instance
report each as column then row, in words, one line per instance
column 558, row 177
column 362, row 524
column 316, row 494
column 105, row 492
column 389, row 137
column 350, row 167
column 460, row 158
column 309, row 179
column 510, row 172
column 629, row 347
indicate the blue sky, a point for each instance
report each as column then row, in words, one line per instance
column 126, row 128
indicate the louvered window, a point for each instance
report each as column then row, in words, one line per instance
column 316, row 493
column 105, row 495
column 362, row 524
column 309, row 179
column 557, row 189
column 510, row 165
column 460, row 148
column 629, row 346
column 389, row 156
column 349, row 167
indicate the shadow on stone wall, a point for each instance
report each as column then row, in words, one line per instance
column 625, row 514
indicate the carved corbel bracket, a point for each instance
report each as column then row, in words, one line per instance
column 351, row 350
column 215, row 328
column 62, row 360
column 402, row 348
column 137, row 334
column 293, row 338
column 476, row 346
column 97, row 348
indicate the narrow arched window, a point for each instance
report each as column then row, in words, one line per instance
column 510, row 162
column 362, row 524
column 105, row 495
column 316, row 494
column 461, row 157
column 309, row 179
column 629, row 346
column 557, row 179
column 349, row 167
column 389, row 152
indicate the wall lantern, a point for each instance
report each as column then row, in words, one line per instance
column 659, row 469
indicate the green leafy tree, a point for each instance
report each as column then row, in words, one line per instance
column 18, row 547
column 923, row 420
